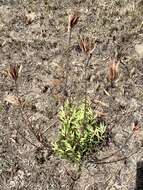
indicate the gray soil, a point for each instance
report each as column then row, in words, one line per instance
column 33, row 33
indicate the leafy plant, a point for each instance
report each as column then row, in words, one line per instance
column 73, row 142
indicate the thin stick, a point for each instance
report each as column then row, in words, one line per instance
column 119, row 149
column 22, row 114
column 27, row 121
column 86, row 86
column 67, row 63
column 49, row 127
column 85, row 93
column 26, row 139
column 120, row 159
column 69, row 37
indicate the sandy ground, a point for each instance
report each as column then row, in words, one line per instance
column 34, row 34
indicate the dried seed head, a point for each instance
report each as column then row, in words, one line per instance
column 85, row 44
column 13, row 72
column 135, row 126
column 113, row 70
column 73, row 19
column 30, row 17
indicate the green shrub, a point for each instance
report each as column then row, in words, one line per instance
column 74, row 139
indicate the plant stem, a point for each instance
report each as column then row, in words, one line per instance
column 114, row 153
column 119, row 159
column 67, row 64
column 27, row 121
column 26, row 138
column 85, row 88
column 69, row 38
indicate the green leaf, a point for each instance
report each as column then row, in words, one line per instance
column 72, row 143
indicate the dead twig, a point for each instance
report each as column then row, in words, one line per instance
column 13, row 72
column 113, row 71
column 114, row 153
column 88, row 50
column 50, row 126
column 120, row 159
column 26, row 138
column 72, row 21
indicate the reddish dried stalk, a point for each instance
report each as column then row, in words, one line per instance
column 13, row 72
column 72, row 21
column 85, row 44
column 113, row 70
column 87, row 61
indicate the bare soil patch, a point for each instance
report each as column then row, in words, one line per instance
column 34, row 34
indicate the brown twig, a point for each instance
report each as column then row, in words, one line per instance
column 114, row 153
column 87, row 61
column 27, row 121
column 67, row 66
column 72, row 21
column 26, row 138
column 119, row 159
column 51, row 125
